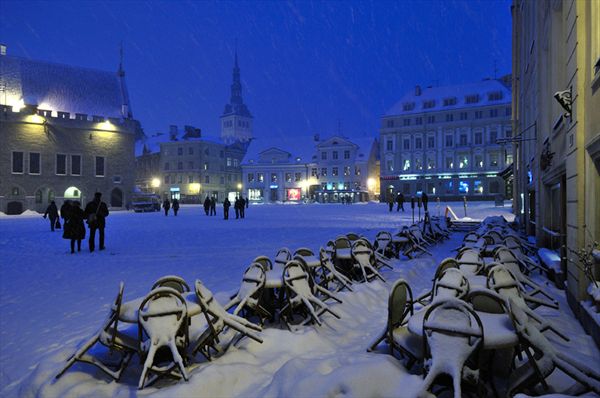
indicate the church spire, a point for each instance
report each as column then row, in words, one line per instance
column 236, row 85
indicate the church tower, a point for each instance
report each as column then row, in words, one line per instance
column 236, row 121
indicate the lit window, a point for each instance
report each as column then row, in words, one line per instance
column 334, row 171
column 324, row 172
column 477, row 186
column 298, row 177
column 261, row 177
column 288, row 177
column 250, row 177
column 463, row 187
column 406, row 165
column 390, row 165
column 273, row 177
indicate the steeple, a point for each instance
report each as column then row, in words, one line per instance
column 125, row 107
column 236, row 86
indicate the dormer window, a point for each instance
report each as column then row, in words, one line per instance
column 495, row 96
column 428, row 104
column 450, row 101
column 409, row 106
column 472, row 99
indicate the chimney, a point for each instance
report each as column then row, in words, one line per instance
column 2, row 49
column 417, row 90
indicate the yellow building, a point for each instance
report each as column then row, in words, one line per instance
column 556, row 120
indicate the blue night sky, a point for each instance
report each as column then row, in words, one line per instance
column 304, row 65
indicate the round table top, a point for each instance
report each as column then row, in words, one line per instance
column 129, row 310
column 498, row 331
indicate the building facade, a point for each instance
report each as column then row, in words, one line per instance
column 67, row 132
column 184, row 165
column 333, row 170
column 448, row 141
column 556, row 103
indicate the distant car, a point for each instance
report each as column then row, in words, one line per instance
column 145, row 203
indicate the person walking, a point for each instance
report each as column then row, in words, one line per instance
column 74, row 229
column 166, row 206
column 226, row 206
column 242, row 207
column 52, row 214
column 425, row 200
column 175, row 206
column 64, row 210
column 236, row 207
column 391, row 202
column 401, row 201
column 95, row 213
column 206, row 205
column 213, row 206
column 247, row 202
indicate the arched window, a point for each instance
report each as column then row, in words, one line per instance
column 38, row 196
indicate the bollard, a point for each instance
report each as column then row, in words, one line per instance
column 412, row 205
column 465, row 204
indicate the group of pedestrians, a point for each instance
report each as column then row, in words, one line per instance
column 240, row 205
column 167, row 206
column 73, row 216
column 210, row 205
column 399, row 200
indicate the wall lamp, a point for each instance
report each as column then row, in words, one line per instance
column 565, row 99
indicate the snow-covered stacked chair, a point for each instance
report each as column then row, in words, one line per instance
column 439, row 229
column 121, row 340
column 264, row 261
column 352, row 236
column 301, row 296
column 413, row 246
column 282, row 257
column 452, row 283
column 377, row 261
column 396, row 334
column 507, row 258
column 383, row 245
column 163, row 330
column 452, row 333
column 218, row 320
column 329, row 275
column 174, row 282
column 418, row 236
column 543, row 358
column 470, row 261
column 503, row 282
column 364, row 262
column 249, row 295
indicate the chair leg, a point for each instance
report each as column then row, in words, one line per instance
column 77, row 355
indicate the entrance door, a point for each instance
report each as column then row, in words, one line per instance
column 116, row 198
column 273, row 196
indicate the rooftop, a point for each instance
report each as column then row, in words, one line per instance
column 151, row 143
column 434, row 99
column 64, row 88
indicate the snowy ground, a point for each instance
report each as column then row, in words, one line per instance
column 50, row 301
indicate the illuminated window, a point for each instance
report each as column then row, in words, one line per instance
column 324, row 172
column 334, row 171
column 418, row 164
column 463, row 163
column 298, row 177
column 250, row 177
column 494, row 159
column 406, row 165
column 430, row 164
column 261, row 177
column 273, row 177
column 479, row 161
column 477, row 186
column 449, row 163
column 357, row 170
column 346, row 170
column 389, row 165
column 463, row 187
column 288, row 177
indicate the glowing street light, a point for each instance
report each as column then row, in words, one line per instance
column 155, row 183
column 371, row 183
column 239, row 186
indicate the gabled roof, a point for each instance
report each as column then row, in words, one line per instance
column 459, row 92
column 335, row 140
column 63, row 88
column 302, row 147
column 151, row 144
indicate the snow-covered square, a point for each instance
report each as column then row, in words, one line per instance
column 51, row 301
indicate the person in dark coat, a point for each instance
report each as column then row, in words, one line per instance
column 175, row 207
column 206, row 205
column 247, row 202
column 236, row 207
column 213, row 206
column 391, row 202
column 226, row 206
column 74, row 229
column 400, row 200
column 425, row 200
column 95, row 213
column 64, row 209
column 52, row 214
column 166, row 206
column 242, row 207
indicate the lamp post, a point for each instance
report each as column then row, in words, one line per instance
column 155, row 184
column 239, row 188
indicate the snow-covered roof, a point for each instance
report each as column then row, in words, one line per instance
column 364, row 144
column 302, row 147
column 151, row 143
column 438, row 95
column 63, row 88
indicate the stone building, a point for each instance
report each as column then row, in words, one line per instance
column 306, row 168
column 556, row 118
column 67, row 132
column 447, row 141
column 185, row 165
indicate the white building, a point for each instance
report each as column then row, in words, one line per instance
column 445, row 141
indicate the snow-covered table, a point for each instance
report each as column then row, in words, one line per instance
column 312, row 261
column 274, row 279
column 476, row 281
column 343, row 254
column 498, row 331
column 129, row 310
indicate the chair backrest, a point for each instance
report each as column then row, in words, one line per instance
column 452, row 279
column 296, row 277
column 463, row 321
column 255, row 273
column 110, row 327
column 471, row 237
column 352, row 236
column 501, row 280
column 495, row 236
column 303, row 251
column 361, row 247
column 341, row 242
column 444, row 265
column 283, row 256
column 485, row 300
column 162, row 315
column 264, row 262
column 400, row 303
column 174, row 282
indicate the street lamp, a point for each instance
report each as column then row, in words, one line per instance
column 155, row 183
column 239, row 188
column 370, row 184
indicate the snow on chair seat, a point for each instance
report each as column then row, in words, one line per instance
column 452, row 332
column 122, row 340
column 163, row 320
column 452, row 283
column 470, row 261
column 218, row 320
column 282, row 257
column 329, row 274
column 364, row 261
column 249, row 294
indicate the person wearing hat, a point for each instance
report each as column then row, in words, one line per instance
column 95, row 213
